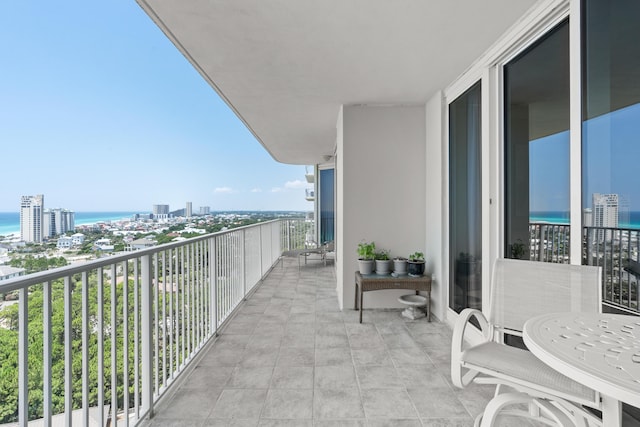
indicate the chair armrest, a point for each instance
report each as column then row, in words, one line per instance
column 459, row 378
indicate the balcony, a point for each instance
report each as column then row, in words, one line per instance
column 310, row 195
column 291, row 357
column 220, row 329
column 310, row 176
column 148, row 313
column 268, row 343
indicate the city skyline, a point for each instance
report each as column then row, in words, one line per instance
column 101, row 112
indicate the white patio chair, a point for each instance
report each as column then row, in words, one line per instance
column 520, row 290
column 311, row 249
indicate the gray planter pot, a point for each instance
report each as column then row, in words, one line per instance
column 383, row 266
column 366, row 266
column 400, row 266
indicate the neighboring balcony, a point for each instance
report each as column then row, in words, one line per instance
column 310, row 195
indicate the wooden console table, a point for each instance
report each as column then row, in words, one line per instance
column 376, row 282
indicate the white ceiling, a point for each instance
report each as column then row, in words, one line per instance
column 286, row 66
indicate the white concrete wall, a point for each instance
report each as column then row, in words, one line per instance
column 436, row 204
column 381, row 190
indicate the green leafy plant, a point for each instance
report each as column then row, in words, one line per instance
column 517, row 249
column 416, row 256
column 382, row 255
column 366, row 250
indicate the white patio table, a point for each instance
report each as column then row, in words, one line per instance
column 601, row 351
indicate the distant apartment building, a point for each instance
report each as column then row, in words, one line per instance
column 160, row 211
column 605, row 210
column 138, row 244
column 57, row 221
column 64, row 242
column 103, row 245
column 205, row 210
column 605, row 214
column 188, row 210
column 8, row 272
column 31, row 218
column 143, row 217
column 77, row 239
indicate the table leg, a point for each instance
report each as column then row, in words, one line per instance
column 611, row 411
column 361, row 304
column 355, row 298
column 429, row 306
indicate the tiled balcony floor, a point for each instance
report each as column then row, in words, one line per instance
column 290, row 357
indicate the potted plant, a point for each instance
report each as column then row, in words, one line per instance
column 383, row 262
column 399, row 266
column 415, row 264
column 366, row 256
column 517, row 249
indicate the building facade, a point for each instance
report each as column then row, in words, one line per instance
column 58, row 221
column 605, row 210
column 32, row 218
column 160, row 211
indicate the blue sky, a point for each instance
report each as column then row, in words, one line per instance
column 610, row 162
column 99, row 111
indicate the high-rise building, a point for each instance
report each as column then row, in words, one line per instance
column 205, row 210
column 604, row 214
column 605, row 210
column 57, row 221
column 188, row 211
column 31, row 218
column 160, row 211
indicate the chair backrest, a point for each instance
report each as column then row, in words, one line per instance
column 524, row 289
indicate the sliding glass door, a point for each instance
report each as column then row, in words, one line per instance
column 536, row 153
column 465, row 201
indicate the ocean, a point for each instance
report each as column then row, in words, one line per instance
column 10, row 221
column 562, row 217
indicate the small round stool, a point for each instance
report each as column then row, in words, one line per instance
column 413, row 303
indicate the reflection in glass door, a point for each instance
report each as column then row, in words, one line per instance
column 611, row 148
column 536, row 85
column 465, row 202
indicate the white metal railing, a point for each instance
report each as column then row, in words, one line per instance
column 146, row 313
column 549, row 242
column 615, row 249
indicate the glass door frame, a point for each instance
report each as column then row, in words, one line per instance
column 489, row 71
column 450, row 95
column 557, row 13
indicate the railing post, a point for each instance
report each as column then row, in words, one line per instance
column 85, row 348
column 68, row 354
column 46, row 353
column 261, row 251
column 541, row 244
column 213, row 274
column 147, row 338
column 23, row 360
column 243, row 251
